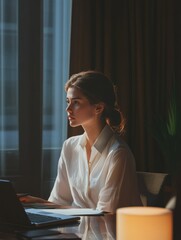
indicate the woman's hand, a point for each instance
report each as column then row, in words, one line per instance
column 31, row 199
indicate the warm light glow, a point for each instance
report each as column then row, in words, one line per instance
column 144, row 223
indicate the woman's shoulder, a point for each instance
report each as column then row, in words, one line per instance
column 119, row 146
column 117, row 141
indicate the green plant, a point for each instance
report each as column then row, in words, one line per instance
column 168, row 135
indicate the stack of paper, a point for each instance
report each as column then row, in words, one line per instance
column 67, row 211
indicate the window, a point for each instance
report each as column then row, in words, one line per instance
column 34, row 65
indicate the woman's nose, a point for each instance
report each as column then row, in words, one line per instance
column 68, row 108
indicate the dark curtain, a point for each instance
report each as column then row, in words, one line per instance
column 136, row 44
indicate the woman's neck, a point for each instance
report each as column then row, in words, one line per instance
column 92, row 132
column 91, row 135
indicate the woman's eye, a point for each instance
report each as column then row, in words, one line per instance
column 75, row 102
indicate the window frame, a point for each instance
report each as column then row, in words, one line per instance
column 30, row 92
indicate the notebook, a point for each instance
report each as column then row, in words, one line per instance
column 12, row 212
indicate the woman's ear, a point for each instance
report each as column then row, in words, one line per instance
column 99, row 107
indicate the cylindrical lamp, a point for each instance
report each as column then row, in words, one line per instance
column 144, row 223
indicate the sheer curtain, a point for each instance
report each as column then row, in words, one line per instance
column 57, row 28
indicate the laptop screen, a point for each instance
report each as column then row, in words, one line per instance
column 13, row 213
column 11, row 209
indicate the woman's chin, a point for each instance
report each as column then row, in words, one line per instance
column 74, row 124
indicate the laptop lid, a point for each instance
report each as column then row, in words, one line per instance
column 13, row 213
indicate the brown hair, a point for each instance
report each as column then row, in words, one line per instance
column 98, row 88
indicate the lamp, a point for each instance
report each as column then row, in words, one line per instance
column 144, row 223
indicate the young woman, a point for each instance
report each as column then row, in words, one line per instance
column 96, row 169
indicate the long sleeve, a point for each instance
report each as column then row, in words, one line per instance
column 61, row 193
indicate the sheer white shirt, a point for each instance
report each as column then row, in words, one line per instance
column 106, row 183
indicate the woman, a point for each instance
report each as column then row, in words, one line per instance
column 96, row 169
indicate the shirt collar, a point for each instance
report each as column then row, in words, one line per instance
column 101, row 140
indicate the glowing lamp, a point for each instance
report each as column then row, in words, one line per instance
column 144, row 223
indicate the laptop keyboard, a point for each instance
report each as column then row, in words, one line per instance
column 37, row 218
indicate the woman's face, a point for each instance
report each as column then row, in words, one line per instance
column 79, row 110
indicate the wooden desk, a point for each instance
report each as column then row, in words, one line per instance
column 90, row 228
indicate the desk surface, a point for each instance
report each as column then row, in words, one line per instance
column 90, row 228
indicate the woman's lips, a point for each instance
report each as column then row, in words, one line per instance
column 70, row 117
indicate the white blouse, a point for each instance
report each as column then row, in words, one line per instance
column 106, row 183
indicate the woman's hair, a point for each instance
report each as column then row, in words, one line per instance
column 98, row 88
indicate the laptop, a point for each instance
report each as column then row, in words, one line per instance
column 13, row 213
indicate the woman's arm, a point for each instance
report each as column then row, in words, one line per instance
column 32, row 199
column 120, row 189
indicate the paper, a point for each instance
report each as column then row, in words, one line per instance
column 67, row 211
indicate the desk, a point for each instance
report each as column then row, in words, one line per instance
column 90, row 228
